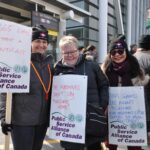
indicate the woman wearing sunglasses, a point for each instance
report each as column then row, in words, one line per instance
column 122, row 69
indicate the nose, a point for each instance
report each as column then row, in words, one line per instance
column 41, row 43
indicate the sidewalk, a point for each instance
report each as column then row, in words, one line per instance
column 125, row 148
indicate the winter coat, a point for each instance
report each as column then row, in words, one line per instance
column 144, row 61
column 97, row 90
column 31, row 108
column 137, row 80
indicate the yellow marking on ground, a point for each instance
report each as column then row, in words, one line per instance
column 51, row 141
column 2, row 147
column 46, row 142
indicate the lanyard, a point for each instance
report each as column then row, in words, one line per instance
column 50, row 79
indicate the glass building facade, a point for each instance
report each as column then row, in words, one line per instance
column 87, row 32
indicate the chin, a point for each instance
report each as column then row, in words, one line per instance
column 71, row 63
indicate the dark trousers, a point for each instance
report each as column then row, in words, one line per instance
column 28, row 137
column 114, row 147
column 95, row 146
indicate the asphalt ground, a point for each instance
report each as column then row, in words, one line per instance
column 50, row 144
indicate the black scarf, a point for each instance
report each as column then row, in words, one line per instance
column 123, row 70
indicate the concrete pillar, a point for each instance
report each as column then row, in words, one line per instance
column 62, row 32
column 129, row 22
column 62, row 28
column 103, row 21
column 138, row 20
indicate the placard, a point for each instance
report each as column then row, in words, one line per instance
column 127, row 118
column 68, row 108
column 15, row 53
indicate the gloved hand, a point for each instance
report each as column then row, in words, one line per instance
column 6, row 127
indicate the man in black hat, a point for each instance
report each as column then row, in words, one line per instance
column 143, row 56
column 30, row 111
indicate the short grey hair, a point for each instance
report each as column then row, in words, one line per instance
column 68, row 40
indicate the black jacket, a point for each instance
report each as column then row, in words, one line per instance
column 97, row 90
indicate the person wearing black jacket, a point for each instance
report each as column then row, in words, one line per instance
column 30, row 111
column 73, row 62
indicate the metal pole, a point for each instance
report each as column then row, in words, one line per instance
column 62, row 32
column 8, row 118
column 129, row 21
column 36, row 7
column 138, row 20
column 103, row 20
column 118, row 13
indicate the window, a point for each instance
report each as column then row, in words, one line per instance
column 77, row 32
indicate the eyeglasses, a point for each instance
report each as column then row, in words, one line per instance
column 69, row 53
column 119, row 51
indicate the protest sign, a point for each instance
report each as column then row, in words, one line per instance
column 15, row 52
column 127, row 118
column 68, row 108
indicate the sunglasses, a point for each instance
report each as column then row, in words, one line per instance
column 119, row 51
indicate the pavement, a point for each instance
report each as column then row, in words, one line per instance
column 125, row 148
column 50, row 144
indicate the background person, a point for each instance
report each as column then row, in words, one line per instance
column 73, row 62
column 122, row 69
column 143, row 56
column 90, row 52
column 133, row 48
column 81, row 49
column 30, row 111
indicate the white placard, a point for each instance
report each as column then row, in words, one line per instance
column 127, row 118
column 68, row 108
column 15, row 53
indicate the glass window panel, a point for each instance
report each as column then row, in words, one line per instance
column 93, row 23
column 94, row 2
column 93, row 35
column 78, row 32
column 93, row 11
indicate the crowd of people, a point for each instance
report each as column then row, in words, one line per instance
column 31, row 111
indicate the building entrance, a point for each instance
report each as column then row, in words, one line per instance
column 52, row 47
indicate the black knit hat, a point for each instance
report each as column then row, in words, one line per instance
column 144, row 42
column 118, row 43
column 39, row 32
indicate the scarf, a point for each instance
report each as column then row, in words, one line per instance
column 122, row 70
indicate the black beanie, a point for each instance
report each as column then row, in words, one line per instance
column 118, row 43
column 39, row 32
column 144, row 42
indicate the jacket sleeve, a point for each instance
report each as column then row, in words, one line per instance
column 103, row 86
column 2, row 106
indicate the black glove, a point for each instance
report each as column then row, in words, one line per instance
column 6, row 127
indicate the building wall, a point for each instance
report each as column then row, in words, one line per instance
column 138, row 19
column 87, row 32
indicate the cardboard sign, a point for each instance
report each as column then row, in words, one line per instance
column 15, row 53
column 68, row 108
column 127, row 118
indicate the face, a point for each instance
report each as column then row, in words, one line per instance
column 118, row 55
column 39, row 46
column 70, row 54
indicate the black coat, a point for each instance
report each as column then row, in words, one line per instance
column 97, row 90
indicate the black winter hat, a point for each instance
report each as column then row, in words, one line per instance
column 118, row 43
column 39, row 32
column 144, row 42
